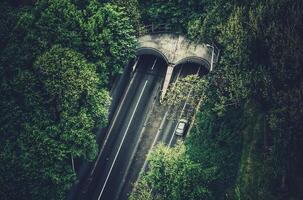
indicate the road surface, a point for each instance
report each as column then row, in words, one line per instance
column 137, row 125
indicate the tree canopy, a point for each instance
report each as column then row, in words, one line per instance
column 58, row 60
column 172, row 175
column 249, row 123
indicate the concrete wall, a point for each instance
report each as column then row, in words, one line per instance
column 175, row 49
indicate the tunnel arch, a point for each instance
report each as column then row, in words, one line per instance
column 175, row 49
column 196, row 60
column 151, row 51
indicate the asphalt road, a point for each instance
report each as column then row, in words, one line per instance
column 125, row 129
column 160, row 128
column 137, row 125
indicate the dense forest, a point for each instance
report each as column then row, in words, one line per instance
column 247, row 140
column 58, row 59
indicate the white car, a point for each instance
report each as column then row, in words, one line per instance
column 181, row 127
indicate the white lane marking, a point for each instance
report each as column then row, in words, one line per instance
column 112, row 124
column 73, row 164
column 131, row 118
column 154, row 63
column 152, row 146
column 181, row 68
column 135, row 65
column 171, row 139
column 136, row 145
column 159, row 130
column 163, row 120
column 198, row 70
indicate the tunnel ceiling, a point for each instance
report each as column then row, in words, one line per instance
column 151, row 51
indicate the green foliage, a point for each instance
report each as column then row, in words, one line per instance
column 189, row 89
column 254, row 76
column 59, row 57
column 215, row 141
column 119, row 39
column 57, row 61
column 65, row 105
column 101, row 33
column 70, row 88
column 249, row 126
column 131, row 8
column 173, row 176
column 176, row 13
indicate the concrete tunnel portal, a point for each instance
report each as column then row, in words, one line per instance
column 175, row 50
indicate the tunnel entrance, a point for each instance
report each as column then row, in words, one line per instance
column 152, row 61
column 190, row 68
column 152, row 51
column 154, row 58
column 193, row 61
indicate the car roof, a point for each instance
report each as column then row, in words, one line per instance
column 183, row 120
column 181, row 125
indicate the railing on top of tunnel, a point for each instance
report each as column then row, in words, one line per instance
column 217, row 53
column 157, row 28
column 168, row 28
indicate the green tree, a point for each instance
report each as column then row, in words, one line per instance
column 173, row 176
column 176, row 13
column 66, row 106
column 131, row 8
column 57, row 62
column 189, row 90
column 251, row 115
column 70, row 90
column 102, row 33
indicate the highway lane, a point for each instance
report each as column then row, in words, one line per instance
column 170, row 124
column 162, row 130
column 132, row 131
column 173, row 137
column 125, row 130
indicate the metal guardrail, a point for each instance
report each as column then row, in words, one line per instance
column 217, row 54
column 157, row 28
column 168, row 28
